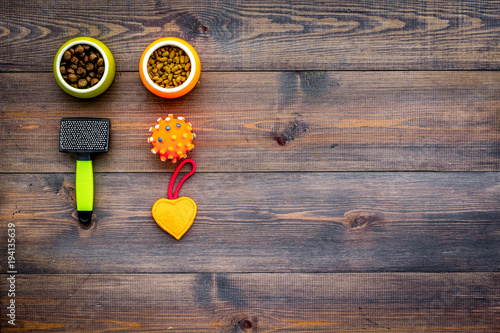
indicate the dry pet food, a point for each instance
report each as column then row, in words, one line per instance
column 82, row 66
column 169, row 67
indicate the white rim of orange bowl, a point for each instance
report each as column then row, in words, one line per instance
column 156, row 47
column 104, row 75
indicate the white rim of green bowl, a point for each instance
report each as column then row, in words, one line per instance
column 104, row 75
column 156, row 47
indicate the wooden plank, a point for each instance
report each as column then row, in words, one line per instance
column 263, row 222
column 416, row 302
column 272, row 121
column 278, row 35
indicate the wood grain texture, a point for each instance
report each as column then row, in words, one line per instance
column 260, row 35
column 258, row 302
column 298, row 103
column 264, row 222
column 271, row 121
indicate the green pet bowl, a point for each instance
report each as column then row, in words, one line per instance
column 107, row 76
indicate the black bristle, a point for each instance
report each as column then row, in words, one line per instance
column 84, row 135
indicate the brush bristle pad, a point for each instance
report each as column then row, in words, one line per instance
column 84, row 135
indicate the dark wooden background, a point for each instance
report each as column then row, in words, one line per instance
column 348, row 156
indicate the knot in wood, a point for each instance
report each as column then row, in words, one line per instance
column 292, row 130
column 246, row 324
column 203, row 28
column 357, row 219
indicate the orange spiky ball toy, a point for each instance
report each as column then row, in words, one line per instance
column 172, row 138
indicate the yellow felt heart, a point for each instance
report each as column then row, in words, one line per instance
column 175, row 216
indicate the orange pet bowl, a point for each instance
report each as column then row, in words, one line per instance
column 183, row 88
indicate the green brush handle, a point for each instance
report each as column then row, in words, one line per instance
column 84, row 184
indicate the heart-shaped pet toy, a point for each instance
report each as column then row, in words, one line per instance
column 176, row 215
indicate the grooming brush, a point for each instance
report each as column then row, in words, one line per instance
column 84, row 136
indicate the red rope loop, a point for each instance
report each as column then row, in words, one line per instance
column 174, row 176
